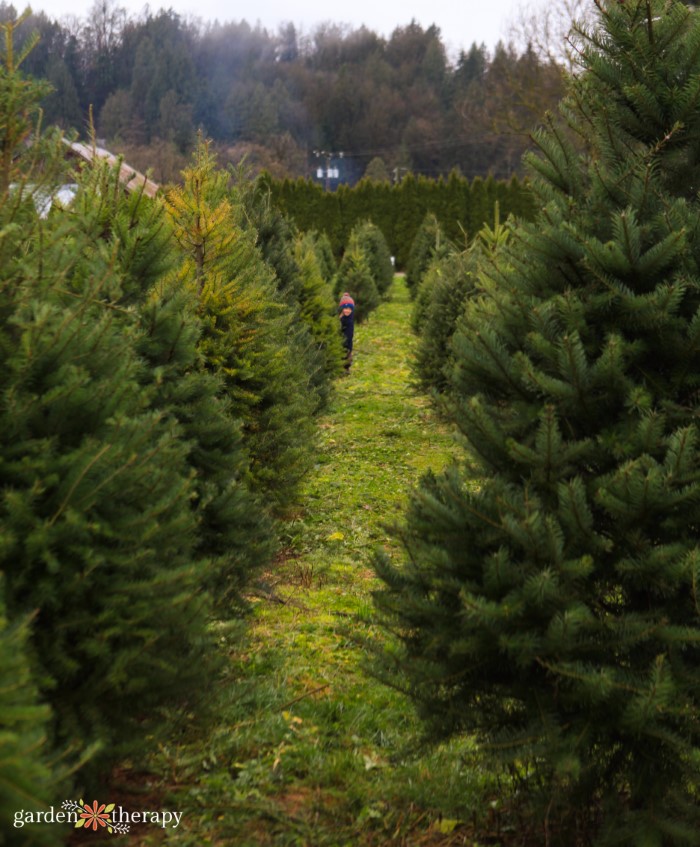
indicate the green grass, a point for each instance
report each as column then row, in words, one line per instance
column 303, row 746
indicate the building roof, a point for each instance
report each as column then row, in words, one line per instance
column 130, row 178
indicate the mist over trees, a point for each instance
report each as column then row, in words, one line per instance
column 290, row 102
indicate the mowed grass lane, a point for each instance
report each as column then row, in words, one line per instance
column 304, row 746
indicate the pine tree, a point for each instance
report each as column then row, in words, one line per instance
column 298, row 281
column 26, row 778
column 95, row 518
column 246, row 323
column 376, row 250
column 355, row 277
column 549, row 604
column 429, row 243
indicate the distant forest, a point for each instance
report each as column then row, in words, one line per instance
column 334, row 105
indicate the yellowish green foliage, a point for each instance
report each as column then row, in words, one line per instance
column 246, row 326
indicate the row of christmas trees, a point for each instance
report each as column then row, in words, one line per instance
column 548, row 604
column 162, row 366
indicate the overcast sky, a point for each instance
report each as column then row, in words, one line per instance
column 461, row 22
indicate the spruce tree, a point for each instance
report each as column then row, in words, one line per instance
column 549, row 604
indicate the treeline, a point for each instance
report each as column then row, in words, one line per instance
column 460, row 207
column 162, row 366
column 398, row 103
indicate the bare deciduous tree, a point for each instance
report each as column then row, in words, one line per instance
column 546, row 28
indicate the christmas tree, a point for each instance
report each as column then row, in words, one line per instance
column 549, row 604
column 103, row 588
column 247, row 326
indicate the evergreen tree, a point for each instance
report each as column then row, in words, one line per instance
column 377, row 171
column 324, row 256
column 26, row 779
column 298, row 281
column 441, row 298
column 317, row 306
column 549, row 603
column 355, row 277
column 429, row 242
column 234, row 535
column 246, row 325
column 411, row 208
column 374, row 245
column 95, row 513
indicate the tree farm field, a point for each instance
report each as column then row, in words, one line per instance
column 302, row 745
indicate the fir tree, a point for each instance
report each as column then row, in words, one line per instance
column 428, row 244
column 374, row 245
column 298, row 281
column 95, row 513
column 442, row 296
column 324, row 255
column 246, row 324
column 317, row 306
column 549, row 604
column 234, row 535
column 355, row 277
column 98, row 533
column 26, row 778
column 441, row 299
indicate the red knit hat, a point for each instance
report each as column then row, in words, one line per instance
column 346, row 302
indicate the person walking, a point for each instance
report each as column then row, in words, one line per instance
column 346, row 308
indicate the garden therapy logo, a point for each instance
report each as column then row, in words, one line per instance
column 96, row 816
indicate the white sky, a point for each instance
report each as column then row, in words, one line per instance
column 461, row 22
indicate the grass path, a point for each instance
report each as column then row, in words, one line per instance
column 306, row 748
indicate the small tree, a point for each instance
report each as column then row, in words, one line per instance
column 428, row 244
column 374, row 245
column 246, row 326
column 324, row 255
column 442, row 296
column 355, row 277
column 298, row 280
column 317, row 306
column 552, row 607
column 26, row 779
column 441, row 299
column 377, row 171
